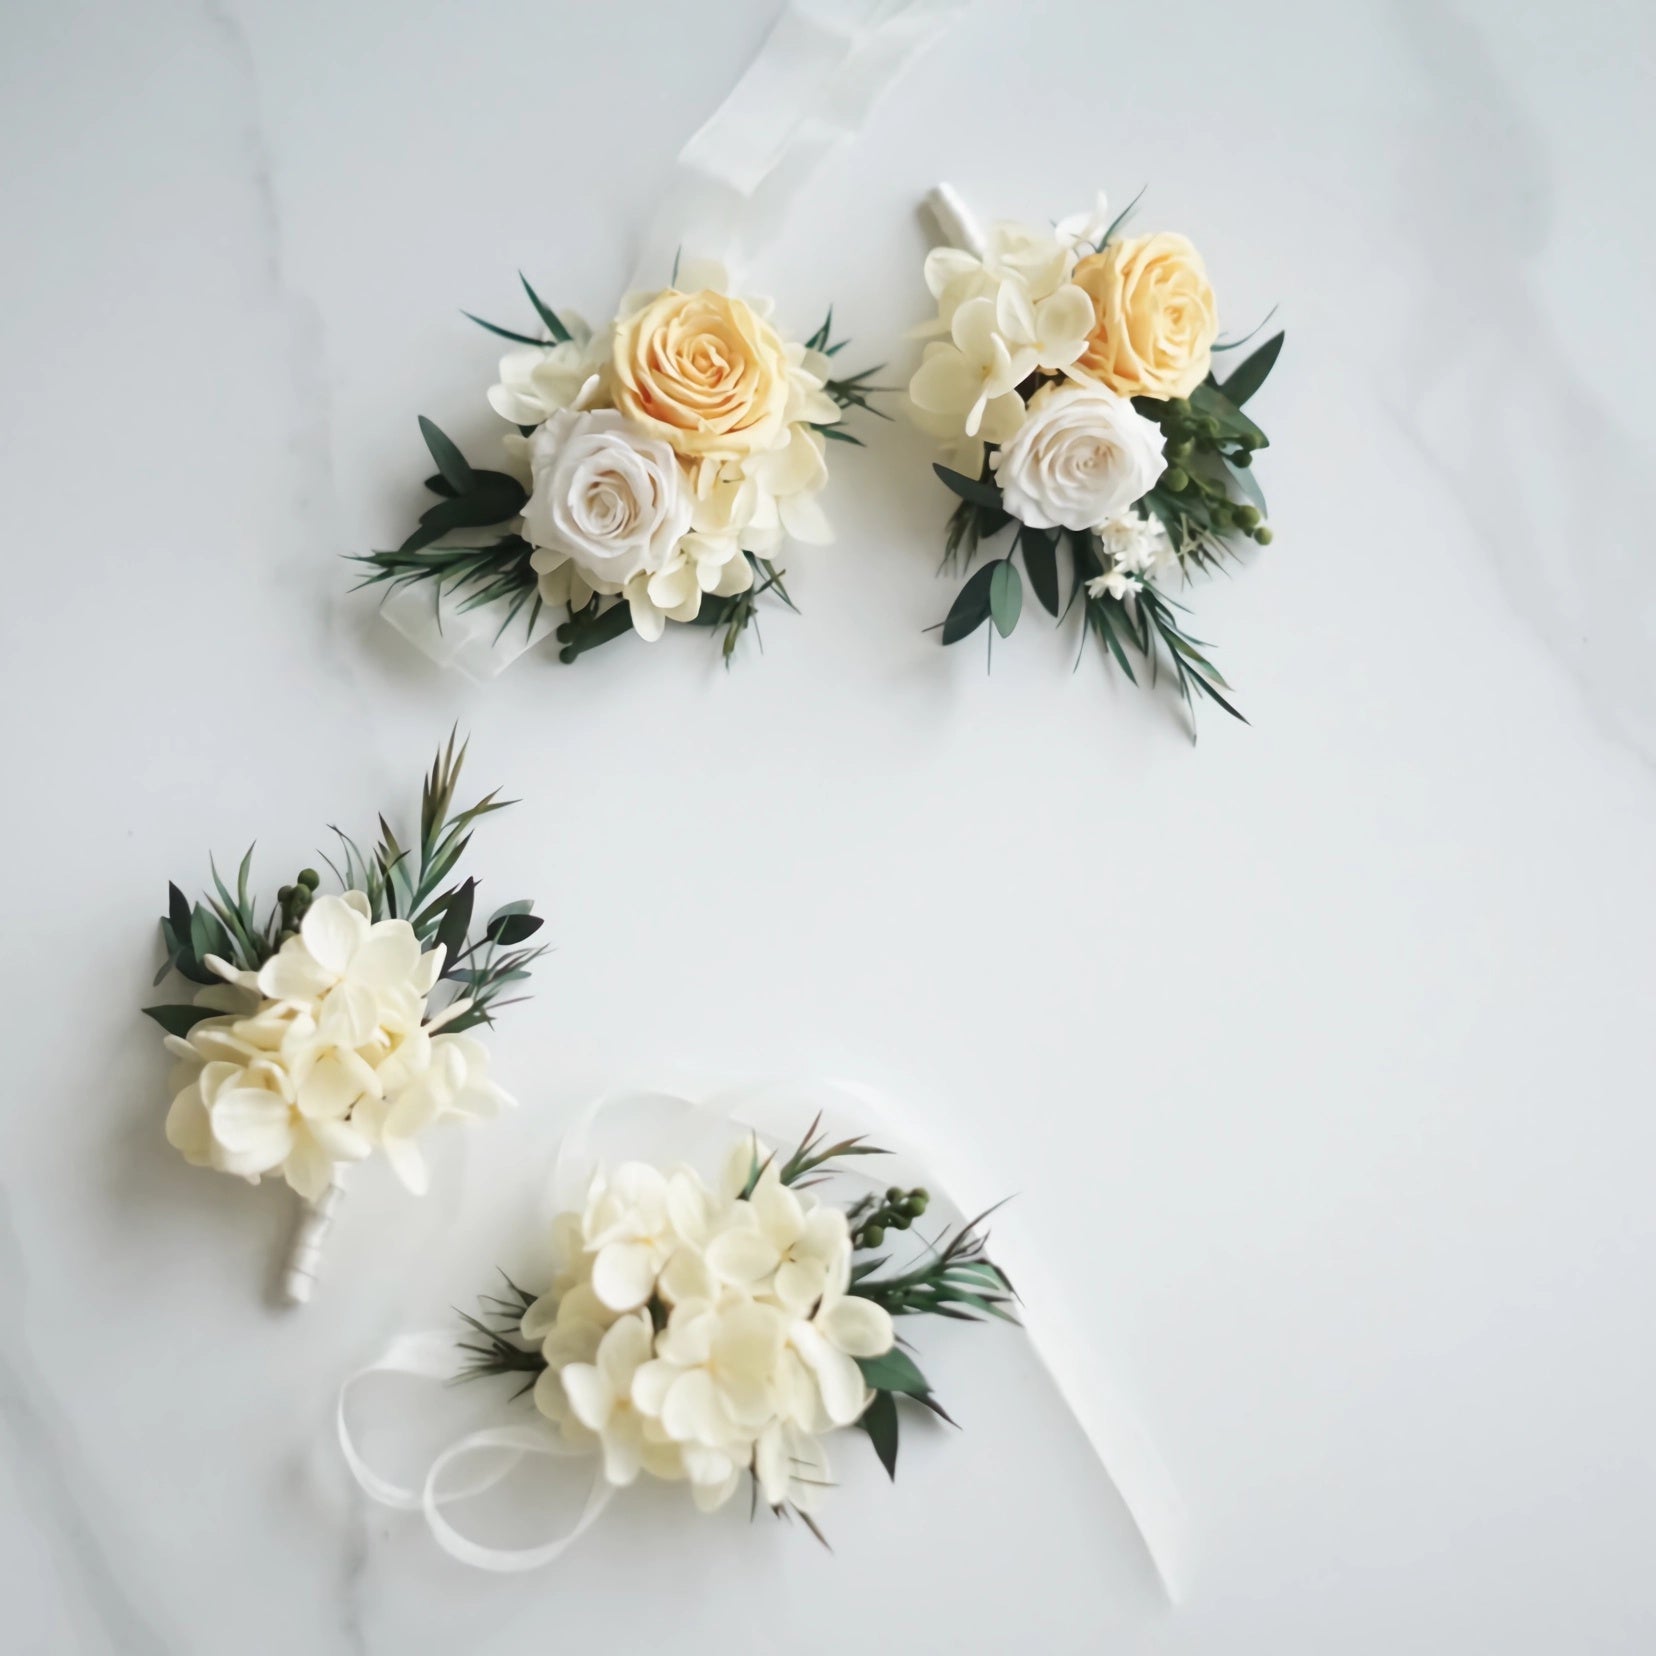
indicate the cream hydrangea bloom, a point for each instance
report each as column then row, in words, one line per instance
column 326, row 1051
column 701, row 1333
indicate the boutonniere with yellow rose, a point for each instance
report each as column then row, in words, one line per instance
column 328, row 1025
column 655, row 469
column 711, row 1332
column 1074, row 382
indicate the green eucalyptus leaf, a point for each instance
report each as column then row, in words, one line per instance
column 971, row 606
column 207, row 935
column 1005, row 596
column 178, row 914
column 980, row 494
column 513, row 928
column 450, row 461
column 879, row 1420
column 180, row 1020
column 451, row 933
column 1251, row 374
column 1233, row 423
column 896, row 1371
column 1040, row 556
column 493, row 498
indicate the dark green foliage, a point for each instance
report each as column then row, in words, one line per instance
column 399, row 882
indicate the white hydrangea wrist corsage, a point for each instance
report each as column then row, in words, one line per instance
column 337, row 1024
column 1071, row 373
column 711, row 1333
column 712, row 1302
column 656, row 469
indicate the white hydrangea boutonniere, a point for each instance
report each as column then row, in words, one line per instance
column 656, row 468
column 327, row 1025
column 1070, row 372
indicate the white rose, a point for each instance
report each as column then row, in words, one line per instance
column 1082, row 457
column 607, row 496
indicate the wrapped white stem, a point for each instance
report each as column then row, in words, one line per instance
column 304, row 1261
column 955, row 221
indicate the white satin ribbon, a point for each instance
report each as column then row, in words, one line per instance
column 810, row 88
column 501, row 1449
column 679, row 1129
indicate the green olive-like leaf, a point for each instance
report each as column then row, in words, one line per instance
column 1005, row 596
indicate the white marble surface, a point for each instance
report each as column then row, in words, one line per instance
column 1319, row 1055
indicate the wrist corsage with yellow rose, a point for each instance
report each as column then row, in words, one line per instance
column 655, row 470
column 1074, row 382
column 329, row 1025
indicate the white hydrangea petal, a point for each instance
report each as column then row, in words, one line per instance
column 308, row 1168
column 748, row 1399
column 651, row 1383
column 945, row 383
column 770, row 1464
column 780, row 1212
column 648, row 622
column 799, row 1284
column 839, row 1380
column 329, row 1090
column 388, row 957
column 687, row 1340
column 709, row 1496
column 540, row 1319
column 549, row 1395
column 350, row 1016
column 625, row 1346
column 623, row 1275
column 591, row 1399
column 623, row 1452
column 690, row 1412
column 189, row 1130
column 253, row 1124
column 686, row 1276
column 292, row 974
column 858, row 1326
column 332, row 929
column 1003, row 417
column 339, row 1140
column 742, row 1257
column 424, row 977
column 805, row 521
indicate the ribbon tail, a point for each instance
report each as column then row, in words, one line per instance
column 810, row 88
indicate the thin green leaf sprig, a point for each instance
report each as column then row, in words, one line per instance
column 701, row 546
column 1203, row 507
column 323, row 1024
column 752, row 1321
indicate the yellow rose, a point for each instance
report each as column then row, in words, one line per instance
column 703, row 372
column 1154, row 316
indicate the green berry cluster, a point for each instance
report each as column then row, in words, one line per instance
column 898, row 1211
column 294, row 901
column 1189, row 433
